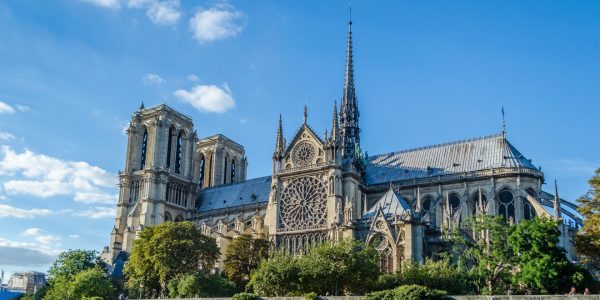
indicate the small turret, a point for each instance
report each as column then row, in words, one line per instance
column 335, row 128
column 557, row 214
column 279, row 142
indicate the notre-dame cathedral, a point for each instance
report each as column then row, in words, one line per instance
column 323, row 187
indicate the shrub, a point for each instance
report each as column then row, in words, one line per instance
column 245, row 296
column 408, row 292
column 93, row 298
column 311, row 296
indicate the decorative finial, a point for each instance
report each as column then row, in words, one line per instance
column 350, row 8
column 142, row 106
column 557, row 214
column 305, row 113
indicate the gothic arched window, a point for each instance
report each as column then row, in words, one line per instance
column 144, row 148
column 169, row 142
column 426, row 205
column 233, row 170
column 528, row 211
column 225, row 172
column 479, row 206
column 168, row 217
column 386, row 257
column 506, row 205
column 178, row 153
column 201, row 179
column 454, row 202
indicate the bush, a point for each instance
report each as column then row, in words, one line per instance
column 311, row 296
column 408, row 292
column 201, row 285
column 245, row 296
column 93, row 298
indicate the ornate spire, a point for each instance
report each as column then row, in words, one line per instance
column 350, row 132
column 279, row 142
column 142, row 106
column 305, row 113
column 335, row 128
column 556, row 202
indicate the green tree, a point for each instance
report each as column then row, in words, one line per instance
column 587, row 240
column 488, row 254
column 439, row 275
column 202, row 285
column 166, row 251
column 542, row 265
column 348, row 267
column 277, row 276
column 71, row 262
column 85, row 284
column 243, row 255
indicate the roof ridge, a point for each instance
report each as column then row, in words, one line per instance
column 440, row 145
column 234, row 183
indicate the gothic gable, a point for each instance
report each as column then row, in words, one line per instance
column 305, row 149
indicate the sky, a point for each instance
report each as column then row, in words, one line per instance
column 427, row 72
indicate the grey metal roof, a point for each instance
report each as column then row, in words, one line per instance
column 235, row 194
column 391, row 204
column 457, row 157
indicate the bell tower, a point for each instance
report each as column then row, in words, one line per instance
column 157, row 184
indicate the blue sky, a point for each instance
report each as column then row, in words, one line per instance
column 72, row 72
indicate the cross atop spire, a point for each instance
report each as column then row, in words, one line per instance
column 349, row 128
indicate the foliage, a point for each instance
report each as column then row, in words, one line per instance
column 242, row 256
column 440, row 275
column 202, row 285
column 245, row 296
column 166, row 251
column 85, row 284
column 542, row 265
column 277, row 276
column 347, row 266
column 408, row 292
column 489, row 255
column 311, row 296
column 71, row 262
column 587, row 240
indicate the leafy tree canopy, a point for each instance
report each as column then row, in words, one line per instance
column 85, row 284
column 166, row 251
column 587, row 240
column 71, row 262
column 242, row 256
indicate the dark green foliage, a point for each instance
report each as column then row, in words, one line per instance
column 311, row 296
column 245, row 296
column 440, row 275
column 408, row 292
column 166, row 251
column 343, row 268
column 85, row 284
column 587, row 240
column 203, row 286
column 243, row 255
column 72, row 262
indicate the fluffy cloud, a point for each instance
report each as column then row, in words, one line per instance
column 193, row 77
column 5, row 136
column 6, row 109
column 218, row 22
column 152, row 79
column 25, row 254
column 97, row 213
column 208, row 98
column 48, row 176
column 164, row 12
column 7, row 211
column 32, row 232
column 105, row 3
column 74, row 236
column 23, row 108
column 41, row 237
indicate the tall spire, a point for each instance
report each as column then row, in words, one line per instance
column 556, row 202
column 335, row 128
column 305, row 113
column 279, row 142
column 350, row 132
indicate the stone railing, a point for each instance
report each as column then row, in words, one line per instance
column 300, row 168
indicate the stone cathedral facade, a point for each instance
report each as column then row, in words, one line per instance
column 323, row 187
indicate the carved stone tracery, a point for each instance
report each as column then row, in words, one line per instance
column 303, row 203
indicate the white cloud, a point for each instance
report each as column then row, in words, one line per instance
column 5, row 136
column 164, row 12
column 33, row 232
column 138, row 3
column 48, row 176
column 22, row 254
column 193, row 77
column 97, row 212
column 6, row 109
column 218, row 22
column 208, row 98
column 7, row 211
column 95, row 198
column 152, row 79
column 74, row 236
column 23, row 108
column 105, row 3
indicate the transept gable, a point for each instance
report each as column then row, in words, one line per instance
column 306, row 148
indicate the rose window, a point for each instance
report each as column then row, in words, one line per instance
column 303, row 203
column 303, row 153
